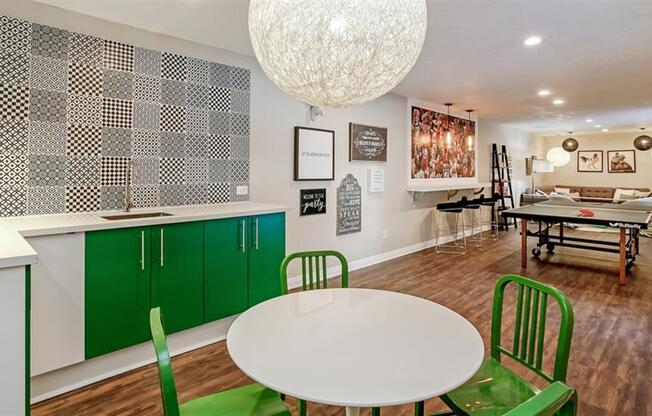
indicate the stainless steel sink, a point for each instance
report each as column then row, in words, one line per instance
column 136, row 215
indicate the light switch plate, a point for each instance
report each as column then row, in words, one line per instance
column 242, row 190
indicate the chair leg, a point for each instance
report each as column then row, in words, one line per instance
column 302, row 405
column 437, row 219
column 375, row 411
column 282, row 396
column 419, row 408
column 464, row 234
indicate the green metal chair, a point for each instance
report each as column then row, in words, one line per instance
column 496, row 390
column 251, row 400
column 314, row 271
column 555, row 400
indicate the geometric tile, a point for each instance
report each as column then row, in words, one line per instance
column 13, row 169
column 14, row 200
column 114, row 170
column 196, row 194
column 84, row 80
column 84, row 140
column 219, row 122
column 146, row 171
column 197, row 71
column 218, row 170
column 46, row 200
column 118, row 56
column 83, row 170
column 117, row 113
column 239, row 170
column 116, row 142
column 219, row 99
column 111, row 197
column 14, row 68
column 173, row 118
column 86, row 50
column 47, row 138
column 15, row 35
column 13, row 136
column 147, row 88
column 147, row 61
column 197, row 95
column 145, row 196
column 173, row 92
column 49, row 41
column 84, row 110
column 147, row 115
column 118, row 84
column 239, row 124
column 196, row 171
column 47, row 170
column 239, row 147
column 240, row 78
column 172, row 145
column 173, row 66
column 82, row 198
column 172, row 195
column 14, row 102
column 197, row 120
column 219, row 147
column 239, row 101
column 234, row 195
column 47, row 106
column 145, row 143
column 217, row 193
column 196, row 145
column 172, row 171
column 48, row 74
column 219, row 75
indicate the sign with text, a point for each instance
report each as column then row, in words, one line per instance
column 314, row 154
column 349, row 206
column 376, row 180
column 367, row 143
column 312, row 201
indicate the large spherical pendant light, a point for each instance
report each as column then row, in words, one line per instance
column 337, row 53
column 570, row 144
column 643, row 142
column 558, row 156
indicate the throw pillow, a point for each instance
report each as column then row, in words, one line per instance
column 641, row 194
column 620, row 192
column 562, row 190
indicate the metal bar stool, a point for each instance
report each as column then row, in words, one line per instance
column 442, row 214
column 473, row 207
column 479, row 208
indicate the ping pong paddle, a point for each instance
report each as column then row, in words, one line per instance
column 586, row 213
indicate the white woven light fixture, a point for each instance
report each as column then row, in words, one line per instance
column 558, row 156
column 337, row 53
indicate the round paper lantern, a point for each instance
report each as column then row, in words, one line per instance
column 643, row 142
column 558, row 156
column 337, row 53
column 570, row 144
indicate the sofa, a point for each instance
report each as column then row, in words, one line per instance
column 586, row 193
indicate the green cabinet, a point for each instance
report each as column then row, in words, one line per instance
column 117, row 290
column 225, row 267
column 177, row 274
column 266, row 252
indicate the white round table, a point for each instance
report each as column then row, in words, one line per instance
column 355, row 347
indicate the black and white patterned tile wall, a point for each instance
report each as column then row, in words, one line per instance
column 75, row 110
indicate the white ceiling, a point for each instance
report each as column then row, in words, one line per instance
column 595, row 54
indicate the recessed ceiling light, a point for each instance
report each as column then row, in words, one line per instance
column 544, row 93
column 558, row 101
column 597, row 126
column 605, row 130
column 589, row 120
column 532, row 41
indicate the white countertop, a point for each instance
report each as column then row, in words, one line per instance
column 16, row 251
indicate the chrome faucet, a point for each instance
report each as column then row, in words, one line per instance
column 127, row 204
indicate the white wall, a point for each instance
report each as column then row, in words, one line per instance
column 568, row 175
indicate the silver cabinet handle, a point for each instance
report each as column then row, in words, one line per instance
column 244, row 237
column 161, row 247
column 142, row 250
column 256, row 240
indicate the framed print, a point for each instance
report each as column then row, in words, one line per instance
column 621, row 161
column 590, row 161
column 314, row 154
column 367, row 143
column 312, row 201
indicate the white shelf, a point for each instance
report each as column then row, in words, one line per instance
column 449, row 187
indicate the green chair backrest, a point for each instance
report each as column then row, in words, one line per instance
column 314, row 272
column 555, row 400
column 165, row 373
column 530, row 324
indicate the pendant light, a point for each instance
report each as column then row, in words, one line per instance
column 570, row 144
column 470, row 140
column 643, row 142
column 449, row 135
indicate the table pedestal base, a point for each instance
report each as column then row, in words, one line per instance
column 352, row 411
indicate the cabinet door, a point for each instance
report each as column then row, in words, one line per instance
column 225, row 267
column 266, row 252
column 178, row 274
column 117, row 293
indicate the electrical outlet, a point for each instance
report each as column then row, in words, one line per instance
column 242, row 190
column 384, row 234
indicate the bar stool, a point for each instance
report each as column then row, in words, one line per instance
column 479, row 208
column 473, row 207
column 442, row 213
column 489, row 204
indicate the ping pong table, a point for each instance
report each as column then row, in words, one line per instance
column 551, row 216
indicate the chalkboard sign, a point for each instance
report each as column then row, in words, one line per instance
column 367, row 143
column 349, row 206
column 312, row 201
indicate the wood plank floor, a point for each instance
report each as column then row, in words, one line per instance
column 611, row 356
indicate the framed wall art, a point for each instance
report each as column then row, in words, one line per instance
column 367, row 143
column 314, row 154
column 621, row 161
column 590, row 161
column 312, row 201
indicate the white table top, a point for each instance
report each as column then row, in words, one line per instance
column 355, row 347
